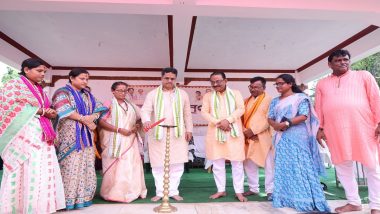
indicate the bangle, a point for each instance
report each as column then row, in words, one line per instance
column 80, row 118
column 117, row 130
column 96, row 117
column 43, row 112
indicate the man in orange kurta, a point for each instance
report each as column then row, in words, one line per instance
column 223, row 108
column 162, row 102
column 348, row 106
column 258, row 138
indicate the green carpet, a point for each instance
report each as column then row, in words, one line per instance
column 197, row 185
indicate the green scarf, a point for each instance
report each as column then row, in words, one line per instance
column 116, row 140
column 231, row 106
column 177, row 113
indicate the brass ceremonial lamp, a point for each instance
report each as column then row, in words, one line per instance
column 165, row 206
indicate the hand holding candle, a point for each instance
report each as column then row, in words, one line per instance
column 151, row 126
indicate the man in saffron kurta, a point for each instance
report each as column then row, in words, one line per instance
column 258, row 138
column 223, row 108
column 172, row 103
column 348, row 106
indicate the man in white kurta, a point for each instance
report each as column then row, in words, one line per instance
column 171, row 103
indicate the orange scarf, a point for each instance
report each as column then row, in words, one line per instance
column 249, row 113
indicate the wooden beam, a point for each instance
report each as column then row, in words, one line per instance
column 240, row 71
column 55, row 78
column 170, row 33
column 106, row 68
column 193, row 22
column 21, row 48
column 342, row 45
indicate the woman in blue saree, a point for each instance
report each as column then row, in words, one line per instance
column 78, row 112
column 297, row 161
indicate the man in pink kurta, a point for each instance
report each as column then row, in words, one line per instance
column 348, row 106
column 222, row 108
column 161, row 103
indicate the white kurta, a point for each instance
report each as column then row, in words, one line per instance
column 178, row 146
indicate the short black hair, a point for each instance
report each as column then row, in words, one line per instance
column 31, row 63
column 221, row 73
column 76, row 72
column 338, row 53
column 258, row 78
column 169, row 70
column 115, row 84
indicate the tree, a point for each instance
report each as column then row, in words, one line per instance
column 11, row 74
column 371, row 64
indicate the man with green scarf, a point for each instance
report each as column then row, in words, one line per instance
column 223, row 108
column 169, row 102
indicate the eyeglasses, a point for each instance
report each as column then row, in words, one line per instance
column 254, row 87
column 217, row 82
column 279, row 84
column 122, row 91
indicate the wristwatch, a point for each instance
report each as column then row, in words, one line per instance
column 288, row 122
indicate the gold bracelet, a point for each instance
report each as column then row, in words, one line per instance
column 96, row 116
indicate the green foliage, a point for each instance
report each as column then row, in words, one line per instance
column 11, row 74
column 371, row 64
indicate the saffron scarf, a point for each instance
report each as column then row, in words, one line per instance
column 249, row 113
column 116, row 139
column 215, row 110
column 177, row 113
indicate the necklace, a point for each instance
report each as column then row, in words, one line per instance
column 126, row 104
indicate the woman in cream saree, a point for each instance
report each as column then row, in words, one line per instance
column 123, row 175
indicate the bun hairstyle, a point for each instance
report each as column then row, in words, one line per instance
column 290, row 80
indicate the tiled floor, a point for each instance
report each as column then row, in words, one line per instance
column 201, row 208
